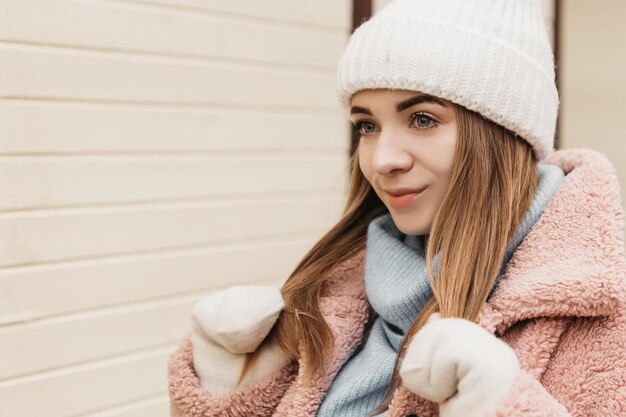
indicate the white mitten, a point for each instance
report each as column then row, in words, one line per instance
column 228, row 324
column 459, row 365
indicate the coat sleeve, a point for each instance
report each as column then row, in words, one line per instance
column 189, row 399
column 585, row 376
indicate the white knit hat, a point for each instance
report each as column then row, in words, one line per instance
column 489, row 56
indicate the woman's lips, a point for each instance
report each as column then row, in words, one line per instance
column 402, row 198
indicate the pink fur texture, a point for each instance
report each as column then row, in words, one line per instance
column 560, row 306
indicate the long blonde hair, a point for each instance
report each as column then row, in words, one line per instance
column 493, row 182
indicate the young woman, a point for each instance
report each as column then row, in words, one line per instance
column 474, row 272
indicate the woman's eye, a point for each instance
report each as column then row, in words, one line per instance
column 365, row 127
column 422, row 121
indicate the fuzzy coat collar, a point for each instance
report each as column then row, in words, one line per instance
column 578, row 243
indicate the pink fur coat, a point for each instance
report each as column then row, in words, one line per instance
column 560, row 306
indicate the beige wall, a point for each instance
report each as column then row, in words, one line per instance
column 593, row 79
column 152, row 151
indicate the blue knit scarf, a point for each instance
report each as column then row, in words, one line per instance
column 397, row 287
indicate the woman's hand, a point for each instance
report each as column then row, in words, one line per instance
column 228, row 324
column 459, row 365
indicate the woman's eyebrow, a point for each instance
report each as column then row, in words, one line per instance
column 357, row 109
column 403, row 105
column 422, row 98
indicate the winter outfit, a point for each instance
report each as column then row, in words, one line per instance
column 397, row 288
column 551, row 339
column 560, row 305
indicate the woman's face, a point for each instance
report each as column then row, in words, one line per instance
column 406, row 152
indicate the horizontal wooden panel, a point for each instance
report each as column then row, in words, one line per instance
column 44, row 236
column 157, row 30
column 35, row 292
column 44, row 72
column 41, row 182
column 86, row 388
column 99, row 334
column 91, row 336
column 82, row 128
column 331, row 13
column 157, row 407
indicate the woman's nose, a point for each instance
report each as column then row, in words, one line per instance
column 390, row 154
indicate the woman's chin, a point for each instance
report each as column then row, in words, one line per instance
column 409, row 226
